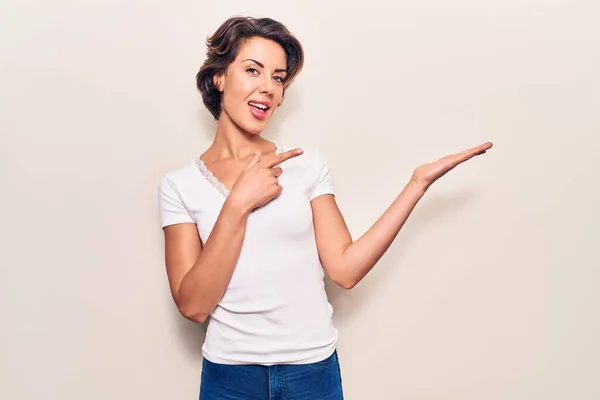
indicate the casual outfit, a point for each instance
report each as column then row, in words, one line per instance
column 272, row 330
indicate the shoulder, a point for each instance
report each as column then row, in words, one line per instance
column 315, row 170
column 174, row 191
column 179, row 178
column 181, row 174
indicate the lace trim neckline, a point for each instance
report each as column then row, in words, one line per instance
column 212, row 179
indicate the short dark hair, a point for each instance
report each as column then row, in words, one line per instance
column 223, row 47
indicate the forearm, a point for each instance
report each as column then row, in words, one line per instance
column 360, row 257
column 204, row 284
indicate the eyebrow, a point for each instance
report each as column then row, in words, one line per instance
column 262, row 66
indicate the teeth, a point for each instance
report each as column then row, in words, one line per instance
column 261, row 106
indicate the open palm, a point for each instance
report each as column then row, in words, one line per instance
column 427, row 174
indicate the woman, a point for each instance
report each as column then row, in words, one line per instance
column 251, row 227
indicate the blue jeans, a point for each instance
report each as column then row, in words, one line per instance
column 316, row 381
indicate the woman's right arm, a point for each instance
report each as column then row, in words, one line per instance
column 198, row 276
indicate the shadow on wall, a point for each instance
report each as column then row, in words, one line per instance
column 429, row 210
column 191, row 334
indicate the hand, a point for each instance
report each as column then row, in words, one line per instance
column 425, row 175
column 258, row 183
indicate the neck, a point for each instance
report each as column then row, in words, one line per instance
column 233, row 142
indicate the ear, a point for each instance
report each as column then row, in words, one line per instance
column 218, row 81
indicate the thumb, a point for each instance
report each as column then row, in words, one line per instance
column 255, row 160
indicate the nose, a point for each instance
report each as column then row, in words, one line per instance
column 266, row 86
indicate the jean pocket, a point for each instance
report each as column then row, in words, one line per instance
column 329, row 361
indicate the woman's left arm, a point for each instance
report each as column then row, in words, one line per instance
column 347, row 261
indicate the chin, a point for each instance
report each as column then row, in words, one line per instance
column 253, row 127
column 248, row 124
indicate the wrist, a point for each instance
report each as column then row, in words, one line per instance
column 232, row 205
column 417, row 187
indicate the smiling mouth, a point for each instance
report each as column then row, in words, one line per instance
column 261, row 107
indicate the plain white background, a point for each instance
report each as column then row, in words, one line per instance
column 489, row 292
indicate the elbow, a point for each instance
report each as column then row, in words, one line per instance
column 345, row 282
column 191, row 314
column 189, row 307
column 197, row 317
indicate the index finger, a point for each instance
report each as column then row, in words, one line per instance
column 281, row 157
column 472, row 152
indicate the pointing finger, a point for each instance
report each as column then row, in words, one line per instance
column 279, row 158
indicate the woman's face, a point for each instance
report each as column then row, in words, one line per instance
column 253, row 84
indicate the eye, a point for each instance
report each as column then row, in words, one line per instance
column 279, row 79
column 252, row 71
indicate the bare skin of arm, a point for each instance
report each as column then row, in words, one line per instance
column 346, row 261
column 198, row 275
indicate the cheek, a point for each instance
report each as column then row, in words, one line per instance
column 277, row 96
column 237, row 88
column 234, row 92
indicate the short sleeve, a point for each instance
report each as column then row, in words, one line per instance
column 323, row 176
column 172, row 210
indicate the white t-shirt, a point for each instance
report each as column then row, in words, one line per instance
column 275, row 309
